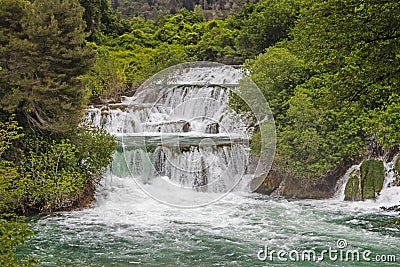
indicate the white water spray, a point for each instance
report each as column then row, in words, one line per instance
column 180, row 132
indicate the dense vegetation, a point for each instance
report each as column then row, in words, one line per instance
column 145, row 46
column 152, row 9
column 334, row 85
column 329, row 70
column 50, row 160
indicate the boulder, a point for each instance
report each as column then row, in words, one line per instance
column 372, row 177
column 212, row 128
column 353, row 191
column 397, row 171
column 265, row 185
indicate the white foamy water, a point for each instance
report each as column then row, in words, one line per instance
column 181, row 147
column 389, row 196
column 127, row 227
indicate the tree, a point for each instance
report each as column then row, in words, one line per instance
column 218, row 44
column 353, row 48
column 100, row 18
column 355, row 44
column 350, row 97
column 264, row 24
column 95, row 10
column 41, row 64
column 277, row 72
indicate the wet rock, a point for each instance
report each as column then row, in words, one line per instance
column 397, row 171
column 372, row 177
column 308, row 188
column 353, row 191
column 280, row 183
column 212, row 128
column 105, row 111
column 265, row 185
column 186, row 127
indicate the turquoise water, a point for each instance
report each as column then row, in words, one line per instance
column 127, row 228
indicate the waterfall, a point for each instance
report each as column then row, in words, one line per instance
column 180, row 130
column 342, row 182
column 390, row 193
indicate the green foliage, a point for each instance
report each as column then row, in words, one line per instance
column 277, row 72
column 256, row 143
column 100, row 19
column 354, row 48
column 174, row 29
column 153, row 9
column 264, row 24
column 237, row 103
column 107, row 78
column 55, row 172
column 41, row 62
column 95, row 148
column 263, row 140
column 333, row 85
column 12, row 188
column 51, row 175
column 314, row 140
column 151, row 46
column 11, row 191
column 299, row 140
column 9, row 132
column 383, row 122
column 94, row 12
column 142, row 63
column 218, row 44
column 169, row 55
column 13, row 231
column 11, row 14
column 124, row 61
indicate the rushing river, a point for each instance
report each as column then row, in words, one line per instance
column 177, row 191
column 127, row 228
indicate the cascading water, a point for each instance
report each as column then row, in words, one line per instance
column 181, row 144
column 390, row 193
column 181, row 131
column 341, row 183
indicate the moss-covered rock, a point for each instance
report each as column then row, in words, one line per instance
column 372, row 177
column 308, row 188
column 353, row 190
column 397, row 171
column 269, row 185
column 397, row 164
column 301, row 188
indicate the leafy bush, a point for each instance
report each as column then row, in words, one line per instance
column 58, row 172
column 50, row 171
column 13, row 231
